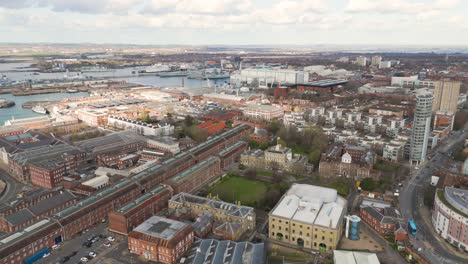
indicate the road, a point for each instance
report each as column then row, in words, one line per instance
column 13, row 187
column 411, row 200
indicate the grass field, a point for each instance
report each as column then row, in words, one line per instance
column 235, row 188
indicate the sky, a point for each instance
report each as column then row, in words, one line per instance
column 236, row 22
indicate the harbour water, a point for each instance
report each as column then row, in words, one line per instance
column 18, row 111
column 22, row 71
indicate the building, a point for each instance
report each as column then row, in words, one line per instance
column 141, row 128
column 421, row 128
column 384, row 220
column 35, row 122
column 348, row 161
column 212, row 127
column 11, row 130
column 265, row 112
column 385, row 64
column 45, row 166
column 125, row 218
column 222, row 212
column 444, row 119
column 361, row 61
column 161, row 240
column 92, row 117
column 326, row 85
column 354, row 257
column 446, row 96
column 195, row 177
column 30, row 242
column 376, row 60
column 275, row 157
column 212, row 251
column 308, row 216
column 31, row 214
column 450, row 216
column 166, row 144
column 267, row 76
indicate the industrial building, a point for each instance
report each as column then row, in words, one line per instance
column 327, row 85
column 308, row 216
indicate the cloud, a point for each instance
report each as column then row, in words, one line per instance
column 398, row 6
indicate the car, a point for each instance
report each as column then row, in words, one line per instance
column 96, row 239
column 92, row 254
column 84, row 259
column 400, row 184
column 107, row 244
column 55, row 247
column 46, row 255
column 111, row 239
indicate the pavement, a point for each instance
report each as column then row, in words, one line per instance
column 13, row 187
column 433, row 248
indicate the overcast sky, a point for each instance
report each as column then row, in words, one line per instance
column 418, row 22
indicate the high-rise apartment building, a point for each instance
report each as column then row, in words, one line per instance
column 421, row 127
column 361, row 61
column 446, row 96
column 375, row 60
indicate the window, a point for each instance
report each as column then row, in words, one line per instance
column 323, row 237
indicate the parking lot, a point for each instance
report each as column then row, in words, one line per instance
column 71, row 251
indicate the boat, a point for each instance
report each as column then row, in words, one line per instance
column 95, row 69
column 156, row 68
column 4, row 103
column 39, row 109
column 70, row 90
column 173, row 74
column 218, row 76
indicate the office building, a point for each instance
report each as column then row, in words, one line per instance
column 421, row 127
column 375, row 60
column 308, row 216
column 265, row 112
column 446, row 96
column 361, row 61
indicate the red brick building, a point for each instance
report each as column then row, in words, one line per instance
column 212, row 127
column 161, row 240
column 132, row 214
column 196, row 176
column 384, row 220
column 231, row 154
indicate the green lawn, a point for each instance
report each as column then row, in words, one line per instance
column 234, row 188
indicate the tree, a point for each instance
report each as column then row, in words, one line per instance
column 368, row 184
column 461, row 118
column 250, row 174
column 429, row 193
column 228, row 123
column 196, row 133
column 273, row 127
column 189, row 120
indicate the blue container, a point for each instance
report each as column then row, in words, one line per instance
column 354, row 223
column 36, row 256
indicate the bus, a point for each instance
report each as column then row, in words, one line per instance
column 412, row 227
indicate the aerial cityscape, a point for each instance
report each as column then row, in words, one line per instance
column 232, row 132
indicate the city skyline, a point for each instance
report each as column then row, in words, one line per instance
column 201, row 22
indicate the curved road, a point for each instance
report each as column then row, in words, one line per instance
column 13, row 187
column 411, row 199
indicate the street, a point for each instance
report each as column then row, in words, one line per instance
column 13, row 187
column 411, row 202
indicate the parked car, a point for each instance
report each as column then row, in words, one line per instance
column 107, row 244
column 111, row 239
column 92, row 254
column 46, row 255
column 84, row 259
column 55, row 247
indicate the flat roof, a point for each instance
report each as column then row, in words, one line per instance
column 325, row 82
column 353, row 257
column 160, row 227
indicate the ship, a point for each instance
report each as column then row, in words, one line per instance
column 173, row 74
column 217, row 76
column 4, row 103
column 70, row 90
column 95, row 69
column 156, row 68
column 39, row 109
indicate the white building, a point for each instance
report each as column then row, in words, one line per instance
column 421, row 127
column 265, row 112
column 167, row 144
column 385, row 64
column 375, row 60
column 361, row 61
column 141, row 128
column 268, row 76
column 97, row 182
column 353, row 257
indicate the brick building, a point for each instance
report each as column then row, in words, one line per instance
column 231, row 154
column 31, row 214
column 384, row 220
column 161, row 240
column 122, row 220
column 212, row 127
column 196, row 176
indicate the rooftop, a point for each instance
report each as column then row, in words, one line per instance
column 457, row 198
column 325, row 83
column 353, row 257
column 311, row 205
column 160, row 227
column 211, row 251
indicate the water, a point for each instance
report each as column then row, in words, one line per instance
column 20, row 71
column 18, row 111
